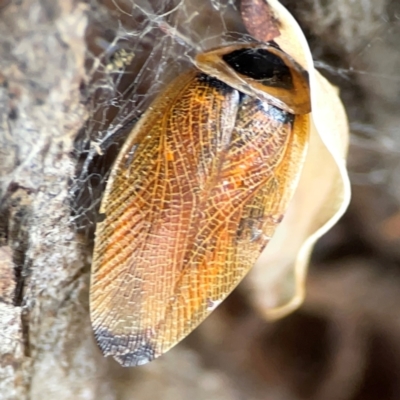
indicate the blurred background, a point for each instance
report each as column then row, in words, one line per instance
column 344, row 341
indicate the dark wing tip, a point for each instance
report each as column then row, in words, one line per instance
column 129, row 351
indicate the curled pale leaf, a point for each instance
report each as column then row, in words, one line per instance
column 278, row 280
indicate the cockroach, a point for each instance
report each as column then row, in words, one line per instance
column 195, row 195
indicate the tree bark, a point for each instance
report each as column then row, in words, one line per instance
column 46, row 346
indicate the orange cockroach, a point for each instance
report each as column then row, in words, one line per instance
column 195, row 194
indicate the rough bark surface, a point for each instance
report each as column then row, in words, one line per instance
column 46, row 346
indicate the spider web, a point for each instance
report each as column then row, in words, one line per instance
column 137, row 47
column 353, row 45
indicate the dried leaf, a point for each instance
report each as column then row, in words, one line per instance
column 277, row 281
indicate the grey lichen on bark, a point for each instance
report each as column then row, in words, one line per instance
column 46, row 345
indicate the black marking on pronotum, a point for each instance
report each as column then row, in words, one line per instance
column 260, row 65
column 117, row 345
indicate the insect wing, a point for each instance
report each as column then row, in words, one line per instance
column 194, row 196
column 151, row 213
